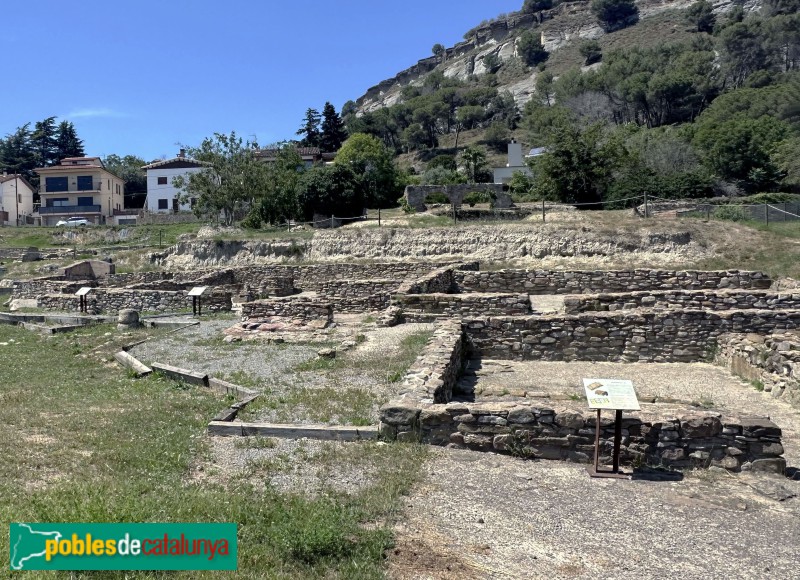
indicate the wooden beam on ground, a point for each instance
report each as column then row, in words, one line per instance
column 127, row 360
column 291, row 431
column 226, row 388
column 185, row 375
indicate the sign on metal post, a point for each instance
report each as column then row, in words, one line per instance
column 83, row 302
column 615, row 395
column 196, row 293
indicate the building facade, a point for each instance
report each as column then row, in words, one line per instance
column 515, row 163
column 16, row 200
column 162, row 195
column 79, row 187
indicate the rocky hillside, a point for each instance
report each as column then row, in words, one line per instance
column 562, row 28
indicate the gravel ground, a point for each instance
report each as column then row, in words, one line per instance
column 200, row 348
column 303, row 466
column 349, row 391
column 488, row 516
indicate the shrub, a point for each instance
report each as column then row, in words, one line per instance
column 732, row 213
column 615, row 14
column 476, row 197
column 591, row 52
column 530, row 48
column 436, row 197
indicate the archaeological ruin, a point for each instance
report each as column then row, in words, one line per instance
column 736, row 319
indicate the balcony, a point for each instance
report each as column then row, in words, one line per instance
column 70, row 209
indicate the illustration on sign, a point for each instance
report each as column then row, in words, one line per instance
column 611, row 394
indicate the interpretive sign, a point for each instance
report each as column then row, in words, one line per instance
column 198, row 290
column 613, row 394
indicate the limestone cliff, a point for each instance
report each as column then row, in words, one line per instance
column 560, row 27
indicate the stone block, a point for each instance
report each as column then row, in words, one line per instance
column 399, row 414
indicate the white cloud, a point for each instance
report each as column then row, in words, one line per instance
column 94, row 113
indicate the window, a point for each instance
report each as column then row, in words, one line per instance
column 162, row 180
column 163, row 204
column 19, row 197
column 56, row 184
column 85, row 201
column 85, row 183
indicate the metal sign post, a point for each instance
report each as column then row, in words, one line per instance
column 618, row 396
column 83, row 302
column 196, row 293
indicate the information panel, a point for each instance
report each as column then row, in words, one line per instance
column 612, row 394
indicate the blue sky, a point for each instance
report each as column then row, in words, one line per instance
column 140, row 77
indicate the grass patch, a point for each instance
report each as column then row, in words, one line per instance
column 82, row 442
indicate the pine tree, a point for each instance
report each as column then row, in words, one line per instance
column 17, row 154
column 67, row 142
column 333, row 131
column 43, row 141
column 310, row 129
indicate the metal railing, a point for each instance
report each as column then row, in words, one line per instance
column 70, row 209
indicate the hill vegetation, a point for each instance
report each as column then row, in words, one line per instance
column 710, row 109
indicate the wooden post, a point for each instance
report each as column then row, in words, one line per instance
column 379, row 217
column 766, row 213
column 597, row 442
column 617, row 441
column 646, row 211
column 544, row 216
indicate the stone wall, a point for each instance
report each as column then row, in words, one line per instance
column 50, row 285
column 679, row 336
column 358, row 295
column 587, row 281
column 694, row 440
column 418, row 307
column 435, row 372
column 684, row 299
column 772, row 362
column 440, row 280
column 112, row 300
column 415, row 194
column 297, row 308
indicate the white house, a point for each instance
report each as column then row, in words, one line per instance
column 162, row 195
column 515, row 163
column 16, row 200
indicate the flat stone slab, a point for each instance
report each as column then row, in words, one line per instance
column 131, row 362
column 286, row 431
column 185, row 375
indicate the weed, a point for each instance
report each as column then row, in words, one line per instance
column 518, row 444
column 758, row 385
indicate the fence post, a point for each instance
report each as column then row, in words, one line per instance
column 331, row 221
column 708, row 213
column 379, row 217
column 766, row 213
column 544, row 215
column 646, row 212
column 454, row 214
column 784, row 211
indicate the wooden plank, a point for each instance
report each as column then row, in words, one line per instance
column 185, row 375
column 127, row 360
column 226, row 416
column 244, row 402
column 226, row 388
column 223, row 429
column 284, row 431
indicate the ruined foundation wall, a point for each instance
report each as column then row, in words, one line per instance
column 655, row 336
column 296, row 308
column 771, row 361
column 588, row 281
column 685, row 299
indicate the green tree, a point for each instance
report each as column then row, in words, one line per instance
column 743, row 51
column 578, row 165
column 17, row 154
column 492, row 62
column 438, row 50
column 497, row 137
column 43, row 141
column 775, row 7
column 701, row 16
column 474, row 162
column 530, row 49
column 786, row 156
column 233, row 180
column 591, row 52
column 537, row 5
column 615, row 14
column 446, row 161
column 330, row 190
column 374, row 168
column 310, row 129
column 279, row 200
column 67, row 142
column 333, row 131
